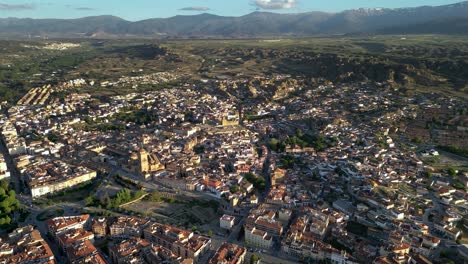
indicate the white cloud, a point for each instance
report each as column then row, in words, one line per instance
column 195, row 8
column 15, row 7
column 275, row 4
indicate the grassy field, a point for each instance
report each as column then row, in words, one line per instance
column 202, row 214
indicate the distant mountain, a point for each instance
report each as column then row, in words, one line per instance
column 448, row 19
column 440, row 26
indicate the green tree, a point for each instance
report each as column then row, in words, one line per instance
column 139, row 194
column 254, row 259
column 273, row 144
column 4, row 185
column 452, row 172
column 154, row 197
column 299, row 133
column 89, row 200
column 234, row 189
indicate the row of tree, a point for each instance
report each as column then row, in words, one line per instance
column 122, row 197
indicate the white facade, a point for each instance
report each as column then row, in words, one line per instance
column 226, row 222
column 258, row 238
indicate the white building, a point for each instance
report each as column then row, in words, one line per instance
column 4, row 173
column 257, row 238
column 227, row 222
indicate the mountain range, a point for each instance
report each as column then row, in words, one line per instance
column 446, row 19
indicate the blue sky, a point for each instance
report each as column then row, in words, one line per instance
column 142, row 9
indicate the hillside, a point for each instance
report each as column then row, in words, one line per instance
column 449, row 19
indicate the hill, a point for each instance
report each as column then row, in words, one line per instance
column 418, row 20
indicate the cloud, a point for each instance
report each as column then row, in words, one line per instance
column 80, row 8
column 195, row 8
column 275, row 4
column 84, row 8
column 16, row 7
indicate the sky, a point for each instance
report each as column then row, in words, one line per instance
column 134, row 10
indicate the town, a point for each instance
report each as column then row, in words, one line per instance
column 212, row 172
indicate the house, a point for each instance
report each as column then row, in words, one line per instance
column 226, row 222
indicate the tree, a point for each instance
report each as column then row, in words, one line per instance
column 299, row 133
column 89, row 200
column 154, row 197
column 234, row 189
column 273, row 144
column 452, row 172
column 8, row 203
column 139, row 194
column 257, row 181
column 4, row 185
column 254, row 259
column 199, row 149
column 427, row 174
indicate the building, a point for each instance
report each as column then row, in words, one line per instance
column 254, row 199
column 91, row 259
column 126, row 227
column 345, row 207
column 181, row 242
column 160, row 254
column 99, row 227
column 25, row 245
column 59, row 225
column 265, row 219
column 74, row 236
column 78, row 252
column 277, row 176
column 229, row 254
column 133, row 250
column 227, row 222
column 257, row 238
column 306, row 245
column 143, row 163
column 4, row 173
column 230, row 120
column 50, row 177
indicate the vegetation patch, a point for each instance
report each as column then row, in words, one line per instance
column 455, row 150
column 50, row 213
column 8, row 204
column 257, row 181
